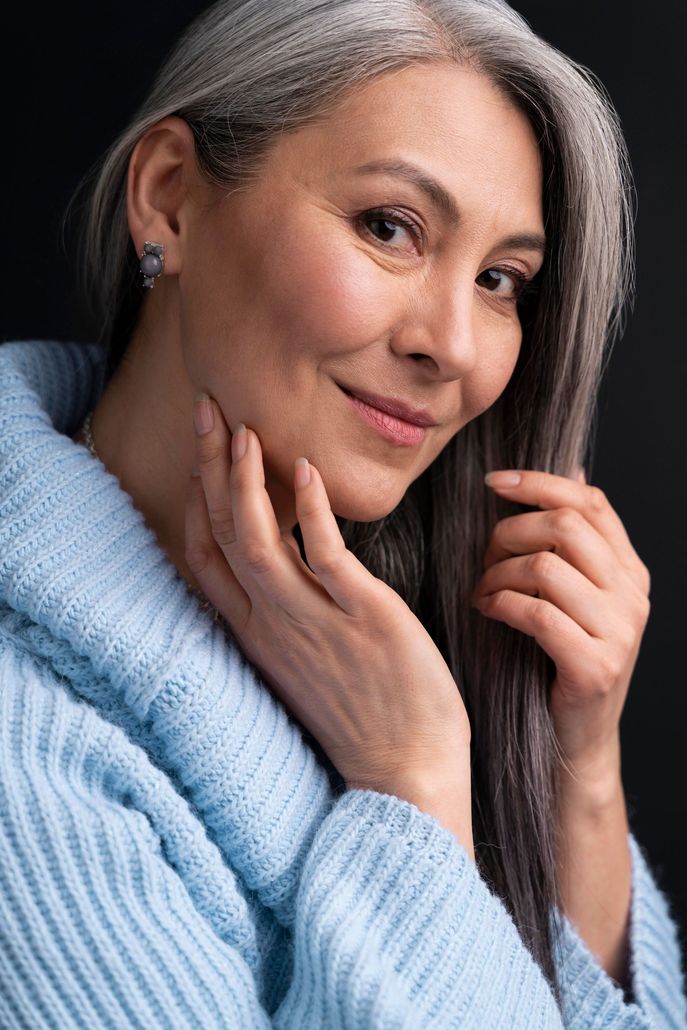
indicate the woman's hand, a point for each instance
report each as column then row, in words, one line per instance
column 337, row 645
column 569, row 577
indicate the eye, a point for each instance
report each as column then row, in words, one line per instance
column 507, row 283
column 390, row 221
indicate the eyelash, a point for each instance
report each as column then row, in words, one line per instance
column 523, row 285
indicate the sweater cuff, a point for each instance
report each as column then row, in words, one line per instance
column 655, row 995
column 437, row 941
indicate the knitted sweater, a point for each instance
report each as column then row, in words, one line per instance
column 173, row 853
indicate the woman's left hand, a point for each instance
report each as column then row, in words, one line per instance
column 569, row 577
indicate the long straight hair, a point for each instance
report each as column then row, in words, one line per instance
column 247, row 71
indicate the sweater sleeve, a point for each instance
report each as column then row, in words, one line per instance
column 655, row 996
column 393, row 925
column 96, row 930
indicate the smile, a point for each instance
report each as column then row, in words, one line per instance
column 395, row 430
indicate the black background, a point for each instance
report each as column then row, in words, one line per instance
column 73, row 79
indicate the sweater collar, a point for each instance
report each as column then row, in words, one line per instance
column 75, row 554
column 77, row 558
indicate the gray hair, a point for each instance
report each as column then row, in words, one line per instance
column 245, row 72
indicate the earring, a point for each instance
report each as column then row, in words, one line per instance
column 152, row 262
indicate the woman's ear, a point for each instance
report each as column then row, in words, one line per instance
column 580, row 476
column 161, row 167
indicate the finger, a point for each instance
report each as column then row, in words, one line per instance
column 545, row 490
column 244, row 525
column 261, row 556
column 207, row 562
column 213, row 461
column 564, row 531
column 574, row 652
column 343, row 576
column 242, row 520
column 552, row 579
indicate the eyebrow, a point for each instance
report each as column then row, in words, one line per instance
column 443, row 200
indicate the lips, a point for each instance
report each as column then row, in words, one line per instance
column 394, row 430
column 398, row 409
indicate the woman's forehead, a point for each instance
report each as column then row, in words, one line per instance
column 444, row 111
column 445, row 127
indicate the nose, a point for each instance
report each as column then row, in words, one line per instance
column 440, row 331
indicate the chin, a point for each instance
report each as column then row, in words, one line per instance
column 365, row 497
column 363, row 511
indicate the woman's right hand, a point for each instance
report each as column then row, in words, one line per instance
column 338, row 646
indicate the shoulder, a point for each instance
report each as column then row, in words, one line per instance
column 33, row 690
column 55, row 739
column 65, row 739
column 68, row 772
column 65, row 771
column 108, row 881
column 71, row 750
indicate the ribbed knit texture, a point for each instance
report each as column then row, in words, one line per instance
column 173, row 853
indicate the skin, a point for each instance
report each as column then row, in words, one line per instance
column 271, row 294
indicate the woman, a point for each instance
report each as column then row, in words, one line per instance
column 369, row 779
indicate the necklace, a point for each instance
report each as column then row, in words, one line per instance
column 205, row 604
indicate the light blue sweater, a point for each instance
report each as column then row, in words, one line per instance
column 172, row 852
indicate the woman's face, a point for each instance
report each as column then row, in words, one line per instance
column 301, row 284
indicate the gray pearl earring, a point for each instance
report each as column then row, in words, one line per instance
column 152, row 262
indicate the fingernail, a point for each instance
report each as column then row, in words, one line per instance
column 302, row 472
column 239, row 442
column 502, row 478
column 203, row 418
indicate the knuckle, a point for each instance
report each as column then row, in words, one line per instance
column 627, row 635
column 208, row 449
column 222, row 523
column 328, row 563
column 640, row 604
column 608, row 671
column 566, row 521
column 497, row 601
column 308, row 506
column 643, row 610
column 258, row 558
column 544, row 616
column 597, row 499
column 499, row 531
column 383, row 596
column 543, row 565
column 646, row 577
column 197, row 556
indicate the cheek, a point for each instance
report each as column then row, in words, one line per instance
column 500, row 350
column 327, row 286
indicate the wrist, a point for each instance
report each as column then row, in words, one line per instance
column 593, row 781
column 449, row 804
column 453, row 817
column 593, row 788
